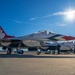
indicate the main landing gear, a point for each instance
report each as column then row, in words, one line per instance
column 38, row 52
column 9, row 50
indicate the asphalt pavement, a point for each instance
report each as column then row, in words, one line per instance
column 31, row 64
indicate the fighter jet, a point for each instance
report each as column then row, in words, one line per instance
column 36, row 41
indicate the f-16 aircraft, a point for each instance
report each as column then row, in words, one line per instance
column 36, row 41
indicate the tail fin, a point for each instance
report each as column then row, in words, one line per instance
column 3, row 34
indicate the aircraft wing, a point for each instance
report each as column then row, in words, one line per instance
column 8, row 41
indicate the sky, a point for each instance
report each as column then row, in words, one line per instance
column 22, row 17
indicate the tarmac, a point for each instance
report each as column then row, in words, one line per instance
column 31, row 64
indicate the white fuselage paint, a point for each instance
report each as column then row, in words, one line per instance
column 31, row 43
column 35, row 39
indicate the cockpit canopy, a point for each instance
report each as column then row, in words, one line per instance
column 44, row 32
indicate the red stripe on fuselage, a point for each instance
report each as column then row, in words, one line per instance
column 9, row 36
column 69, row 38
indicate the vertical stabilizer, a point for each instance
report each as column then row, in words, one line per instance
column 3, row 34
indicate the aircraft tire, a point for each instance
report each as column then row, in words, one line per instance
column 38, row 53
column 20, row 52
column 8, row 51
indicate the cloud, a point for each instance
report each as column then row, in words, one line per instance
column 17, row 21
column 33, row 18
column 61, row 24
column 23, row 22
column 57, row 14
column 60, row 13
column 53, row 14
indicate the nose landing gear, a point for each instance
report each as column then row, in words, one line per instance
column 38, row 52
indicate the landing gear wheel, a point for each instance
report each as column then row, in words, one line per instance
column 38, row 53
column 48, row 52
column 20, row 51
column 8, row 51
